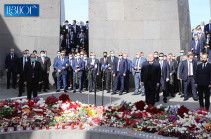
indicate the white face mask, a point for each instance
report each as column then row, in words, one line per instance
column 137, row 56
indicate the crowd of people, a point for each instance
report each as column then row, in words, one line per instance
column 76, row 70
column 74, row 37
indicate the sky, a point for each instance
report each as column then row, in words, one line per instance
column 78, row 10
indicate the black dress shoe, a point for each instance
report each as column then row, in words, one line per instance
column 120, row 93
column 74, row 91
column 65, row 91
column 113, row 93
column 80, row 91
column 165, row 101
column 57, row 90
column 196, row 99
column 48, row 87
column 172, row 95
column 45, row 90
column 14, row 87
column 19, row 95
column 8, row 87
column 185, row 99
column 182, row 96
column 108, row 91
column 157, row 100
column 39, row 90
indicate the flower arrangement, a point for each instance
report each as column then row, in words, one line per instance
column 172, row 121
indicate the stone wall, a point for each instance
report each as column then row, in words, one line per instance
column 33, row 33
column 139, row 25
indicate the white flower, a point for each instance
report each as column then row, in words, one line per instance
column 6, row 107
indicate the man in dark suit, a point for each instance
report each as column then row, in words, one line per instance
column 76, row 30
column 85, row 72
column 119, row 72
column 109, row 72
column 179, row 58
column 45, row 70
column 196, row 46
column 72, row 39
column 32, row 76
column 187, row 73
column 61, row 65
column 165, row 76
column 105, row 72
column 208, row 27
column 20, row 71
column 70, row 72
column 172, row 68
column 94, row 69
column 202, row 38
column 66, row 43
column 203, row 82
column 10, row 66
column 128, row 73
column 48, row 66
column 78, row 67
column 150, row 79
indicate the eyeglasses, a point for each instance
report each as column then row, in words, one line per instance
column 120, row 55
column 62, row 54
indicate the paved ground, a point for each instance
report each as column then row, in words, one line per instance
column 88, row 98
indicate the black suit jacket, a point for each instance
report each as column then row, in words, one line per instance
column 28, row 72
column 203, row 76
column 9, row 63
column 102, row 61
column 20, row 67
column 110, row 63
column 155, row 72
column 172, row 67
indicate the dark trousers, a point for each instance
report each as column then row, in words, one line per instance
column 84, row 80
column 150, row 89
column 54, row 78
column 45, row 82
column 32, row 88
column 127, row 83
column 204, row 90
column 70, row 79
column 108, row 79
column 74, row 80
column 92, row 81
column 162, row 84
column 116, row 81
column 21, row 85
column 190, row 80
column 14, row 78
column 171, row 89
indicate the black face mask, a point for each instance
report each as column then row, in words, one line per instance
column 105, row 55
column 204, row 61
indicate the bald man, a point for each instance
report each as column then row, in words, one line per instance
column 150, row 78
column 119, row 71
